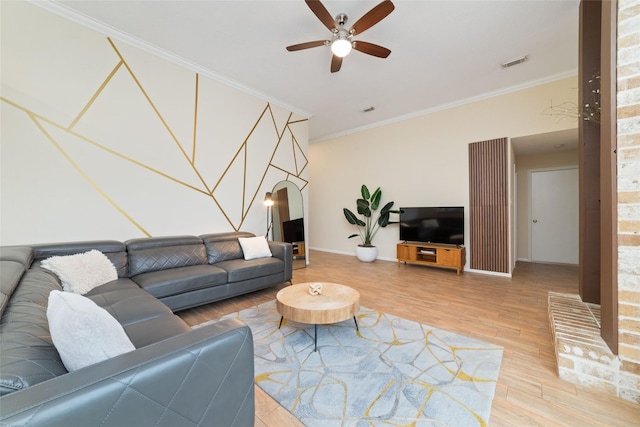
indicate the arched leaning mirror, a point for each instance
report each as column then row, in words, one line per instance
column 288, row 219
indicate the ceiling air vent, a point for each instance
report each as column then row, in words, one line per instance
column 513, row 62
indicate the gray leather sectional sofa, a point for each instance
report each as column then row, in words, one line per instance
column 177, row 376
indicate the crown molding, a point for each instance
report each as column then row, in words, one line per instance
column 455, row 104
column 93, row 24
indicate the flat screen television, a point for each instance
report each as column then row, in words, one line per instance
column 442, row 224
column 293, row 231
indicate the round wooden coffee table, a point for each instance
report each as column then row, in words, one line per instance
column 335, row 304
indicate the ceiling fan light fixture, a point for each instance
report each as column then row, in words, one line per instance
column 341, row 47
column 341, row 42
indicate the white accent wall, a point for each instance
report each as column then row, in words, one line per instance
column 103, row 140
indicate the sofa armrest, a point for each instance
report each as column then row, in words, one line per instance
column 283, row 251
column 201, row 377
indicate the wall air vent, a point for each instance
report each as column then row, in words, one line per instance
column 513, row 62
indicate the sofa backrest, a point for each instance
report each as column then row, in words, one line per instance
column 224, row 246
column 113, row 249
column 21, row 254
column 161, row 253
column 14, row 261
column 10, row 274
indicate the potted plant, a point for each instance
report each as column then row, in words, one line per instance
column 367, row 229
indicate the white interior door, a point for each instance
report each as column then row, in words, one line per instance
column 554, row 216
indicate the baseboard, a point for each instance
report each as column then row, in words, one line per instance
column 332, row 251
column 351, row 254
column 490, row 273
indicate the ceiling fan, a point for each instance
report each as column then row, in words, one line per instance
column 342, row 41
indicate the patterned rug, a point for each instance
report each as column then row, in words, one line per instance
column 392, row 372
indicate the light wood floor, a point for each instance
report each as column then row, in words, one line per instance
column 511, row 312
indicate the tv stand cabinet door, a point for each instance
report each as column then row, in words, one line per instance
column 448, row 257
column 404, row 253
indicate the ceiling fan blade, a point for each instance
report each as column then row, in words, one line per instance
column 322, row 13
column 371, row 18
column 306, row 45
column 371, row 49
column 336, row 63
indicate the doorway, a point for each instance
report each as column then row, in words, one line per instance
column 553, row 225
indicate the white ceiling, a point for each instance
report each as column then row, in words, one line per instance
column 551, row 142
column 443, row 52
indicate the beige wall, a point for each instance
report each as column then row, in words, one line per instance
column 104, row 140
column 419, row 162
column 524, row 165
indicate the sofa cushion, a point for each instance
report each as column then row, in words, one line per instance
column 28, row 355
column 239, row 269
column 224, row 246
column 83, row 333
column 162, row 253
column 155, row 329
column 127, row 302
column 145, row 319
column 79, row 273
column 114, row 288
column 179, row 280
column 35, row 286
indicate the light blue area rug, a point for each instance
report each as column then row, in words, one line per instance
column 393, row 372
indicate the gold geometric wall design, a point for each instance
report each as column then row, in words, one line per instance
column 269, row 131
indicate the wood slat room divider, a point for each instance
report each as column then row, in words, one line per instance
column 489, row 205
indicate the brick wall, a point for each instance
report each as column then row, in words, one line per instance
column 582, row 355
column 628, row 70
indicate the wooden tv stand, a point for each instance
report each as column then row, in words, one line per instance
column 432, row 254
column 298, row 250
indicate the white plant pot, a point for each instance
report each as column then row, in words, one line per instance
column 366, row 253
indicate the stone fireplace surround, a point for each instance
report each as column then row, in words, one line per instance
column 582, row 356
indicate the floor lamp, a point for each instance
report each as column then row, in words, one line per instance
column 268, row 202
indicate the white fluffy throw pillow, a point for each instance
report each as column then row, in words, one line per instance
column 82, row 332
column 81, row 272
column 255, row 247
